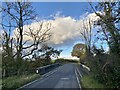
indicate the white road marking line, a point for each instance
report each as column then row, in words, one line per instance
column 78, row 79
column 47, row 74
column 65, row 78
column 79, row 73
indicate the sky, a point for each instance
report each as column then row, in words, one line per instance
column 67, row 9
column 66, row 18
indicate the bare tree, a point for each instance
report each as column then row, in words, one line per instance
column 20, row 13
column 86, row 33
column 6, row 42
column 15, row 16
column 39, row 36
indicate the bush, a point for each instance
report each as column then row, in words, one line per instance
column 105, row 68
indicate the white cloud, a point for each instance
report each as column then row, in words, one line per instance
column 66, row 29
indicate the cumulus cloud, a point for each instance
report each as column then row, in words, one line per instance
column 66, row 29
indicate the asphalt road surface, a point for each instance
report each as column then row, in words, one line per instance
column 63, row 77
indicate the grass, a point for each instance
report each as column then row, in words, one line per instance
column 18, row 81
column 89, row 82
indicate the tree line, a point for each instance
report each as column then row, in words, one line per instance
column 104, row 66
column 21, row 56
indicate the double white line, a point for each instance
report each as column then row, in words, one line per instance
column 76, row 70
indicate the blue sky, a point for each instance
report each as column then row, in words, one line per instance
column 69, row 13
column 67, row 8
column 75, row 10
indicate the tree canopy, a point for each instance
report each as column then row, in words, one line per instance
column 79, row 50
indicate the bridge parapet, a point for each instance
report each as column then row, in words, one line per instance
column 47, row 68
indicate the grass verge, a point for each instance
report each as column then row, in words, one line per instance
column 90, row 82
column 18, row 81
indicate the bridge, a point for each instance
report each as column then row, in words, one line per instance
column 65, row 76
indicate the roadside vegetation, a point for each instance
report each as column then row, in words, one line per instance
column 90, row 82
column 64, row 61
column 104, row 65
column 21, row 57
column 15, row 82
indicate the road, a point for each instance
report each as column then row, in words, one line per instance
column 63, row 77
